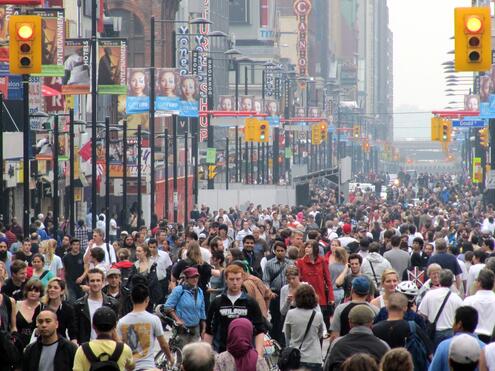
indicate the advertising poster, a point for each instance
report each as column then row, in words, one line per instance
column 189, row 95
column 486, row 88
column 53, row 41
column 271, row 108
column 314, row 112
column 472, row 102
column 112, row 66
column 226, row 103
column 76, row 67
column 246, row 103
column 5, row 12
column 258, row 104
column 138, row 86
column 167, row 89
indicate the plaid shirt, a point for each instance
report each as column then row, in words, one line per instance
column 274, row 273
column 81, row 233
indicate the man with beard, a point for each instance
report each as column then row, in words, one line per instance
column 64, row 247
column 5, row 255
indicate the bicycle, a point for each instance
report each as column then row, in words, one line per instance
column 161, row 360
column 272, row 352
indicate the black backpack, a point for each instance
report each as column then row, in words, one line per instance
column 104, row 362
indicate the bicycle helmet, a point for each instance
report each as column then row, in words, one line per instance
column 408, row 288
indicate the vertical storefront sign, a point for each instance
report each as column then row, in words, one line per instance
column 302, row 9
column 76, row 67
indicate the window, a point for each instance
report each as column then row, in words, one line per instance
column 239, row 11
column 133, row 29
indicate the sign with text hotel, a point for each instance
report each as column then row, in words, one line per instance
column 302, row 9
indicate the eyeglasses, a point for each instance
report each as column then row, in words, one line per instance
column 34, row 288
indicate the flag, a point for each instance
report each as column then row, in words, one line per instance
column 85, row 151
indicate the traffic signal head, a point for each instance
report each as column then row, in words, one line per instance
column 323, row 131
column 484, row 140
column 25, row 35
column 356, row 132
column 264, row 132
column 473, row 39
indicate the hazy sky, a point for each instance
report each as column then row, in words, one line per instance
column 422, row 30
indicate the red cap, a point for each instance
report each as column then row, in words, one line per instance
column 347, row 228
column 190, row 272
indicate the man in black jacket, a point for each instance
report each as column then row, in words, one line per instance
column 85, row 307
column 359, row 340
column 231, row 304
column 57, row 351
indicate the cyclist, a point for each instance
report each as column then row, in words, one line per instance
column 186, row 306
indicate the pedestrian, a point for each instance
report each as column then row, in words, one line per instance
column 399, row 259
column 389, row 281
column 14, row 285
column 74, row 270
column 198, row 357
column 359, row 362
column 464, row 353
column 240, row 354
column 141, row 330
column 104, row 322
column 398, row 359
column 304, row 328
column 51, row 351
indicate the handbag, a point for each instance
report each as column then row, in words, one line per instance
column 290, row 357
column 431, row 327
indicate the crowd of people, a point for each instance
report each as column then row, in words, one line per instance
column 402, row 282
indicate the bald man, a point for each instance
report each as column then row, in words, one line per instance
column 51, row 352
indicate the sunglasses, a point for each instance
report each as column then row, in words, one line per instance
column 35, row 289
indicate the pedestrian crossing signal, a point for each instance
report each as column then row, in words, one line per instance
column 25, row 44
column 212, row 171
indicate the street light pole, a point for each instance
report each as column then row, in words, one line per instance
column 72, row 218
column 186, row 179
column 26, row 145
column 56, row 201
column 152, row 118
column 165, row 160
column 139, row 195
column 94, row 102
column 237, row 147
column 107, row 179
column 124, row 175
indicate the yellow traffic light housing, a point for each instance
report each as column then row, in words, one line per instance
column 473, row 44
column 251, row 129
column 25, row 35
column 315, row 134
column 436, row 124
column 356, row 132
column 484, row 137
column 323, row 131
column 445, row 131
column 264, row 132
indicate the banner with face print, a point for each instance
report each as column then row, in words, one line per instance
column 272, row 110
column 53, row 41
column 246, row 103
column 112, row 66
column 258, row 104
column 226, row 103
column 167, row 89
column 77, row 67
column 138, row 99
column 189, row 96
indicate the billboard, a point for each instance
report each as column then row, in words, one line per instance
column 53, row 41
column 167, row 89
column 76, row 67
column 138, row 86
column 112, row 66
column 189, row 96
column 472, row 102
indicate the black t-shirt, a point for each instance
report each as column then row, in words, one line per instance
column 74, row 266
column 395, row 333
column 10, row 289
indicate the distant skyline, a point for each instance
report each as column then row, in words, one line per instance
column 421, row 32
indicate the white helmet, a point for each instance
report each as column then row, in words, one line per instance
column 408, row 288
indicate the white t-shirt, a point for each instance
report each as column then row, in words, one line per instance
column 431, row 303
column 474, row 271
column 93, row 306
column 109, row 260
column 139, row 331
column 233, row 298
column 163, row 261
column 113, row 227
column 54, row 265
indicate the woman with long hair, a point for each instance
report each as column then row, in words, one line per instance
column 389, row 282
column 314, row 270
column 336, row 265
column 54, row 301
column 39, row 271
column 142, row 264
column 52, row 261
column 296, row 322
column 28, row 309
column 7, row 310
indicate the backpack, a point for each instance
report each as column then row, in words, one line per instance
column 417, row 348
column 104, row 362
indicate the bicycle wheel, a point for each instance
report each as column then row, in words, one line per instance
column 161, row 360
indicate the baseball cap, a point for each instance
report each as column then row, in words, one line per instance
column 190, row 272
column 361, row 314
column 361, row 285
column 464, row 349
column 113, row 271
column 202, row 236
column 104, row 319
column 124, row 233
column 347, row 228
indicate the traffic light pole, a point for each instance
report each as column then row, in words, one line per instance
column 56, row 200
column 490, row 193
column 94, row 66
column 26, row 145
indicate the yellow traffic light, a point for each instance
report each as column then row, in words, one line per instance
column 323, row 131
column 436, row 124
column 484, row 137
column 212, row 171
column 25, row 35
column 356, row 132
column 315, row 134
column 366, row 146
column 445, row 131
column 264, row 132
column 473, row 44
column 251, row 129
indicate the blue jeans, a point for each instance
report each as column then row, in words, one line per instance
column 441, row 336
column 312, row 366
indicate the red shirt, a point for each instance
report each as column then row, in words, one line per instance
column 312, row 273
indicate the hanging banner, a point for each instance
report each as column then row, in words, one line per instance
column 189, row 95
column 314, row 112
column 302, row 9
column 202, row 47
column 271, row 108
column 138, row 100
column 112, row 66
column 167, row 89
column 269, row 83
column 182, row 37
column 246, row 103
column 226, row 103
column 5, row 12
column 53, row 41
column 54, row 101
column 477, row 170
column 258, row 104
column 77, row 67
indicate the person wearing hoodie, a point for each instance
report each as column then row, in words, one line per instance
column 374, row 264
